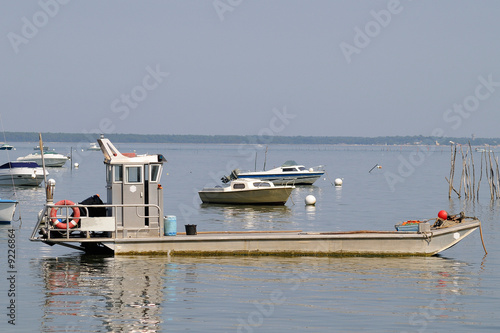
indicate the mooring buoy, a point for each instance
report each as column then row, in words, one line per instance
column 310, row 200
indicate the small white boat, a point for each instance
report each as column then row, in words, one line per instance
column 482, row 150
column 7, row 210
column 21, row 173
column 6, row 146
column 247, row 192
column 52, row 159
column 93, row 146
column 289, row 173
column 45, row 148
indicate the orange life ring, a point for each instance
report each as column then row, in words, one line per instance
column 72, row 222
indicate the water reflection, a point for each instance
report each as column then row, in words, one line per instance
column 338, row 193
column 310, row 212
column 120, row 295
column 302, row 191
column 31, row 194
column 245, row 216
column 152, row 294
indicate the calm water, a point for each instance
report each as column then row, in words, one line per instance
column 62, row 290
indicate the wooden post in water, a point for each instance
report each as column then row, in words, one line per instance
column 490, row 174
column 452, row 170
column 497, row 177
column 473, row 191
column 480, row 177
column 462, row 176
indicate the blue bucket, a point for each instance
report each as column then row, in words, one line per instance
column 170, row 225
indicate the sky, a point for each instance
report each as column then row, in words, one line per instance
column 251, row 67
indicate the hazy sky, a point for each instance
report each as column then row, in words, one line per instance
column 253, row 67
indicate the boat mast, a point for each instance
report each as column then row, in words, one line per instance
column 43, row 160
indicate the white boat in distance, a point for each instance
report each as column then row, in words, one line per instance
column 21, row 173
column 7, row 210
column 247, row 192
column 6, row 146
column 52, row 159
column 45, row 148
column 93, row 146
column 290, row 173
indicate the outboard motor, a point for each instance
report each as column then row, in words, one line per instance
column 234, row 174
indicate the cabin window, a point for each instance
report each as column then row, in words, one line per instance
column 134, row 174
column 302, row 169
column 118, row 173
column 289, row 169
column 155, row 172
column 261, row 184
column 238, row 186
column 109, row 173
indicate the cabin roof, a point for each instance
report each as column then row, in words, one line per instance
column 113, row 156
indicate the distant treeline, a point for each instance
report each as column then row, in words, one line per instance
column 250, row 139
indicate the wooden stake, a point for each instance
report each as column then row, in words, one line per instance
column 490, row 177
column 462, row 177
column 497, row 176
column 480, row 177
column 452, row 171
column 482, row 240
column 473, row 174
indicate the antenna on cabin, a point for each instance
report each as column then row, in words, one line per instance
column 265, row 158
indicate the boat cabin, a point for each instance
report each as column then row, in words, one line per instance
column 134, row 194
column 294, row 169
column 292, row 166
column 245, row 184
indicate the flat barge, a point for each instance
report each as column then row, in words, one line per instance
column 132, row 222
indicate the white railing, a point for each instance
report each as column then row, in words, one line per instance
column 87, row 224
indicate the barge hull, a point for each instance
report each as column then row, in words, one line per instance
column 358, row 243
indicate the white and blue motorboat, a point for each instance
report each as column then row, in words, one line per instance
column 290, row 173
column 52, row 159
column 7, row 210
column 21, row 173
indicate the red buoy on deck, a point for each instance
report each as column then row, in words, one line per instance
column 443, row 215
